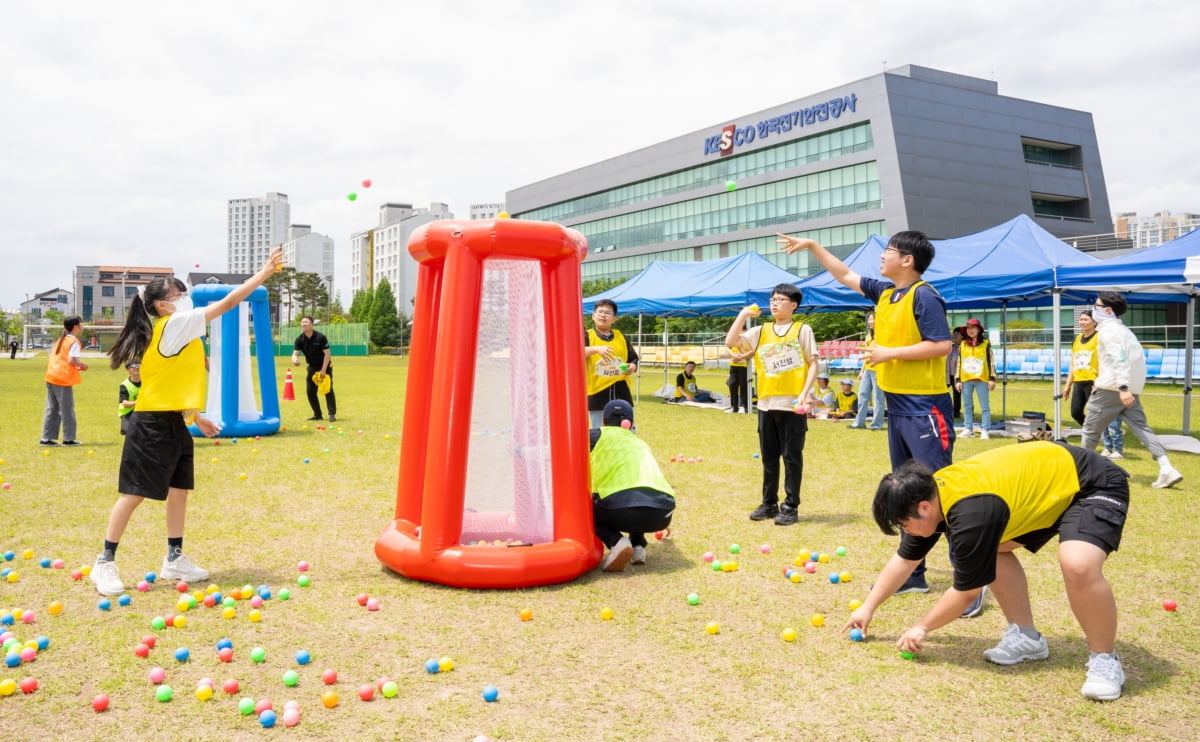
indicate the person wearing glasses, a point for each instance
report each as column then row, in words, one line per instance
column 609, row 360
column 1120, row 380
column 912, row 341
column 785, row 363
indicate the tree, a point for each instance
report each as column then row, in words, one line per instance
column 337, row 313
column 360, row 305
column 834, row 325
column 280, row 287
column 54, row 317
column 384, row 324
column 310, row 295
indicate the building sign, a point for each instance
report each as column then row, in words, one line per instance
column 733, row 136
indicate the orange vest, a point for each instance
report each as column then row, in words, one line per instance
column 59, row 370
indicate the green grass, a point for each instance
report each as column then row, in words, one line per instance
column 651, row 673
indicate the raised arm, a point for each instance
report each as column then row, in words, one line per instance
column 829, row 261
column 235, row 297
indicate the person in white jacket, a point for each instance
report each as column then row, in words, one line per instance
column 1121, row 378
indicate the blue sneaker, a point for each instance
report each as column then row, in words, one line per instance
column 976, row 606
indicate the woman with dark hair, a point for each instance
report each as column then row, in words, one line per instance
column 62, row 374
column 157, row 462
column 976, row 376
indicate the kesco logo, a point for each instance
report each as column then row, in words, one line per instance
column 733, row 136
column 730, row 137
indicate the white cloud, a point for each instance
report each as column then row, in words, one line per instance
column 126, row 125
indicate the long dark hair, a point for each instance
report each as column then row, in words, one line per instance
column 70, row 323
column 135, row 335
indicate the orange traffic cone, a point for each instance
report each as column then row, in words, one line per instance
column 289, row 391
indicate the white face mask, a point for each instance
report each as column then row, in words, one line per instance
column 1102, row 313
column 183, row 304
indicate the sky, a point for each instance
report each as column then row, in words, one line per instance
column 125, row 127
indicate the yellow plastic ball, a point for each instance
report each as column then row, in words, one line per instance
column 803, row 556
column 8, row 686
column 27, row 554
column 796, row 577
column 255, row 616
column 445, row 664
column 855, row 604
column 210, row 590
column 229, row 612
column 817, row 620
column 55, row 608
column 45, row 453
column 182, row 606
column 502, row 215
column 845, row 577
column 713, row 627
column 606, row 614
column 823, row 559
column 204, row 692
column 13, row 577
column 242, row 475
column 788, row 635
column 215, row 460
column 86, row 570
column 181, row 622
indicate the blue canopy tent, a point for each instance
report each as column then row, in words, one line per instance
column 1169, row 272
column 712, row 288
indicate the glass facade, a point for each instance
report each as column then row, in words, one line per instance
column 831, row 144
column 840, row 240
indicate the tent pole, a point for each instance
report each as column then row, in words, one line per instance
column 1057, row 295
column 640, row 352
column 666, row 348
column 1188, row 367
column 1004, row 356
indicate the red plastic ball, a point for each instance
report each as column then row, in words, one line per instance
column 100, row 703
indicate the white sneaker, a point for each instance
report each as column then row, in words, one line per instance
column 964, row 433
column 182, row 568
column 728, row 410
column 1116, row 456
column 1015, row 647
column 618, row 556
column 1167, row 478
column 107, row 578
column 639, row 555
column 983, row 435
column 1106, row 453
column 1104, row 679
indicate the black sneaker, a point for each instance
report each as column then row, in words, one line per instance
column 72, row 443
column 316, row 417
column 48, row 443
column 787, row 516
column 913, row 586
column 766, row 511
column 332, row 418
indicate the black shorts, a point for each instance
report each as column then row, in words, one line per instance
column 1096, row 515
column 157, row 456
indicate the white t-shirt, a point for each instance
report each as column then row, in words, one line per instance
column 182, row 328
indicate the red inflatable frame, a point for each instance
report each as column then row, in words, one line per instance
column 424, row 540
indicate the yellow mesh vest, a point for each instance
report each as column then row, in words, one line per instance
column 1085, row 360
column 622, row 461
column 1038, row 480
column 602, row 372
column 895, row 327
column 972, row 362
column 787, row 383
column 175, row 382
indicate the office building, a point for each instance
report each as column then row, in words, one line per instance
column 104, row 291
column 382, row 251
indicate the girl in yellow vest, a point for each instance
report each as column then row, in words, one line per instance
column 62, row 374
column 157, row 462
column 1085, row 365
column 976, row 376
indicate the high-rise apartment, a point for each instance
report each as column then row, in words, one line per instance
column 382, row 252
column 1154, row 230
column 255, row 225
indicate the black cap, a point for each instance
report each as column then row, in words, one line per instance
column 617, row 411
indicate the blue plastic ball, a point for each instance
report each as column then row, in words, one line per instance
column 224, row 644
column 264, row 592
column 303, row 657
column 42, row 642
column 835, row 578
column 9, row 556
column 124, row 600
column 45, row 562
column 104, row 604
column 4, row 572
column 151, row 577
column 182, row 654
column 267, row 718
column 856, row 635
column 12, row 659
column 307, row 461
column 432, row 666
column 491, row 693
column 7, row 619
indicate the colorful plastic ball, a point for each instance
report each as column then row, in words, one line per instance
column 855, row 604
column 372, row 604
column 225, row 654
column 258, row 654
column 182, row 654
column 290, row 678
column 526, row 614
column 44, row 563
column 77, row 574
column 606, row 614
column 291, row 717
column 351, row 196
column 104, row 604
column 366, row 691
column 1170, row 605
column 264, row 593
column 765, row 548
column 12, row 659
column 709, row 557
column 856, row 634
column 731, row 185
column 329, row 677
column 303, row 657
column 735, row 549
column 255, row 616
column 834, row 578
column 817, row 620
column 285, row 594
column 158, row 623
column 151, row 577
column 164, row 693
column 6, row 619
column 823, row 559
column 54, row 608
column 716, row 565
column 181, row 587
column 329, row 699
column 712, row 627
column 845, row 576
column 490, row 693
column 230, row 686
column 431, row 666
column 29, row 685
column 8, row 686
column 9, row 555
column 389, row 689
column 27, row 554
column 788, row 635
column 229, row 601
column 157, row 675
column 183, row 606
column 796, row 576
column 362, row 598
column 302, row 566
column 229, row 612
column 28, row 654
column 28, row 617
column 180, row 622
column 124, row 600
column 693, row 599
column 210, row 601
column 100, row 703
column 907, row 655
column 810, row 567
column 150, row 640
column 840, row 551
column 303, row 581
column 204, row 692
column 143, row 586
column 246, row 706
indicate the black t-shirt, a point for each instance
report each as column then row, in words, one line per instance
column 313, row 349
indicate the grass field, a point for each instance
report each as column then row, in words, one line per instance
column 650, row 673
